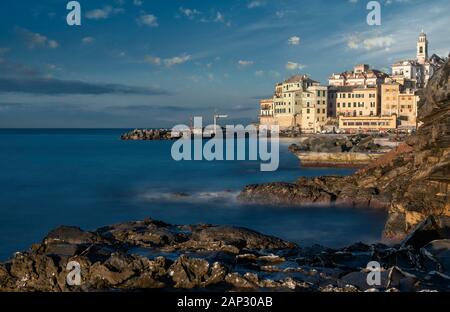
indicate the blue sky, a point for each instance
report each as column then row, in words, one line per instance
column 155, row 63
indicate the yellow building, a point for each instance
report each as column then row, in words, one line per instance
column 354, row 101
column 298, row 102
column 314, row 109
column 367, row 123
column 266, row 111
column 398, row 100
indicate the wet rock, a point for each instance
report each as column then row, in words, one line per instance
column 145, row 233
column 285, row 194
column 401, row 280
column 432, row 228
column 201, row 260
column 70, row 235
column 102, row 272
column 144, row 281
column 437, row 281
column 358, row 279
column 192, row 273
column 240, row 282
column 438, row 251
column 345, row 288
column 239, row 237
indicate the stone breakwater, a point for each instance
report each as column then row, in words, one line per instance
column 412, row 181
column 350, row 160
column 147, row 135
column 151, row 254
column 337, row 151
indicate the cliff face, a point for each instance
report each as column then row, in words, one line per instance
column 412, row 182
column 418, row 180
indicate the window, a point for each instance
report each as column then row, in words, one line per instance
column 308, row 111
column 318, row 111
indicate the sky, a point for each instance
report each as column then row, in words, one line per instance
column 157, row 63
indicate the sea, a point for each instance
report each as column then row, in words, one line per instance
column 90, row 178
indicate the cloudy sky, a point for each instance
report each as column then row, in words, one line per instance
column 154, row 63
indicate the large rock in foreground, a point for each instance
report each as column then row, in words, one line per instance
column 154, row 255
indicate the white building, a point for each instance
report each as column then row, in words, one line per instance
column 361, row 75
column 420, row 69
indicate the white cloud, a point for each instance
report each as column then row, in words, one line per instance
column 169, row 62
column 154, row 60
column 138, row 2
column 379, row 42
column 148, row 20
column 245, row 63
column 36, row 40
column 294, row 40
column 53, row 44
column 353, row 42
column 255, row 4
column 177, row 60
column 103, row 13
column 259, row 73
column 294, row 66
column 220, row 18
column 87, row 40
column 189, row 13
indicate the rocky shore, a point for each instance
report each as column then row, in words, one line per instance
column 150, row 254
column 412, row 181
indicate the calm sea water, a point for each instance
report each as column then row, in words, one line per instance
column 89, row 178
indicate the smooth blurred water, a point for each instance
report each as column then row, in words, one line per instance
column 89, row 178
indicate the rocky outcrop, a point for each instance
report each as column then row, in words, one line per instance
column 336, row 144
column 330, row 190
column 147, row 135
column 151, row 254
column 412, row 181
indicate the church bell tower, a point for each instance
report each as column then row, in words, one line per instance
column 422, row 48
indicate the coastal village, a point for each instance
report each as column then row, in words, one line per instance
column 359, row 100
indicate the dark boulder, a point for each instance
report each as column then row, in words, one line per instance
column 430, row 229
